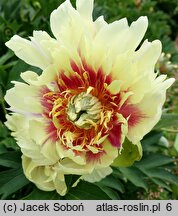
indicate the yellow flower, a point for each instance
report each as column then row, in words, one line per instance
column 95, row 90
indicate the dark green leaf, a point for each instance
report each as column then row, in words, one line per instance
column 70, row 180
column 167, row 120
column 11, row 181
column 2, row 149
column 150, row 141
column 135, row 176
column 9, row 142
column 10, row 159
column 112, row 182
column 86, row 191
column 110, row 192
column 161, row 173
column 3, row 130
column 37, row 194
column 175, row 191
column 154, row 160
column 6, row 57
column 161, row 183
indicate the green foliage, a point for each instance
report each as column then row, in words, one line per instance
column 11, row 181
column 156, row 172
column 128, row 155
column 37, row 194
column 167, row 120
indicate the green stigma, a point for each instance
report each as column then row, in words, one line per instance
column 84, row 110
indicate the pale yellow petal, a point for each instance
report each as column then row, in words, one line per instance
column 109, row 156
column 115, row 86
column 97, row 174
column 29, row 51
column 68, row 166
column 36, row 174
column 151, row 107
column 45, row 177
column 100, row 23
column 147, row 56
column 69, row 153
column 61, row 18
column 24, row 98
column 85, row 8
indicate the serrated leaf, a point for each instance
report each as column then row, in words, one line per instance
column 11, row 181
column 112, row 182
column 167, row 120
column 86, row 191
column 135, row 176
column 130, row 153
column 37, row 194
column 154, row 160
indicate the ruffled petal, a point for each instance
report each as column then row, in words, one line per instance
column 33, row 139
column 32, row 52
column 24, row 98
column 110, row 154
column 45, row 177
column 151, row 107
column 97, row 174
column 68, row 166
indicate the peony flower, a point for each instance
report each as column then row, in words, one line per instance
column 96, row 90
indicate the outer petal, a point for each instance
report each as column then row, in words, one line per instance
column 61, row 17
column 30, row 51
column 97, row 174
column 145, row 59
column 122, row 37
column 151, row 106
column 137, row 31
column 32, row 139
column 136, row 71
column 85, row 8
column 100, row 23
column 48, row 75
column 147, row 56
column 24, row 99
column 45, row 177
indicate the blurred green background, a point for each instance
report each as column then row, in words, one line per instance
column 156, row 175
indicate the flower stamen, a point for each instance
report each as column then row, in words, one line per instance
column 84, row 109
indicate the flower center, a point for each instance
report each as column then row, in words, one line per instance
column 84, row 110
